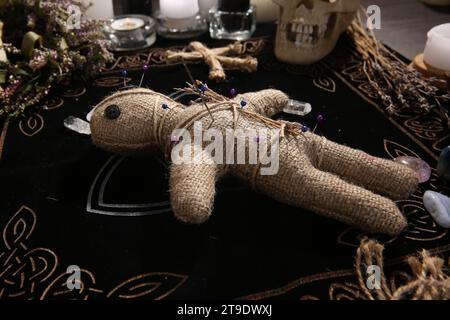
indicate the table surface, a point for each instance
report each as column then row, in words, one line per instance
column 68, row 203
column 405, row 23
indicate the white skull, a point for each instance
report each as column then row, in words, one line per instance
column 308, row 30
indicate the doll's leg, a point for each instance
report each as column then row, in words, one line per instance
column 330, row 196
column 265, row 102
column 380, row 175
column 193, row 187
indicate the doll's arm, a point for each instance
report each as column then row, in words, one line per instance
column 266, row 102
column 193, row 186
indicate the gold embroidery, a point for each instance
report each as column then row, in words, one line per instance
column 31, row 273
column 325, row 83
column 3, row 136
column 32, row 125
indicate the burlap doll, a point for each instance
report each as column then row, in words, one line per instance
column 314, row 173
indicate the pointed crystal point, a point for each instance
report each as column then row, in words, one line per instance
column 422, row 168
column 77, row 125
column 438, row 206
column 297, row 107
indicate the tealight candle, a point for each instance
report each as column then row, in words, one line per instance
column 130, row 32
column 127, row 24
column 178, row 9
column 437, row 49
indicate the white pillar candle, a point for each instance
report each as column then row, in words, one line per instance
column 101, row 10
column 437, row 49
column 178, row 9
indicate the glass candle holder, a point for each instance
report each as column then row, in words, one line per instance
column 232, row 20
column 131, row 32
column 179, row 19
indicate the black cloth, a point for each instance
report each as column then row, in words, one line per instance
column 66, row 203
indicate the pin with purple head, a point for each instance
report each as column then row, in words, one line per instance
column 144, row 71
column 319, row 119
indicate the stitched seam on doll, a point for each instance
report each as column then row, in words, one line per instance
column 255, row 176
column 155, row 136
column 137, row 91
column 320, row 152
column 163, row 122
column 127, row 145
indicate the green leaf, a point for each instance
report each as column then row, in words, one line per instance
column 22, row 72
column 63, row 44
column 3, row 57
column 3, row 76
column 30, row 41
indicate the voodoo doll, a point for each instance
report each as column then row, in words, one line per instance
column 314, row 173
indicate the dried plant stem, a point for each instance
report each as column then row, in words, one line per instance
column 400, row 87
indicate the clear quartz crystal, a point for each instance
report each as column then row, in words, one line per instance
column 77, row 125
column 297, row 107
column 422, row 169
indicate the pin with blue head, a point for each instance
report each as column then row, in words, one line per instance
column 124, row 75
column 305, row 128
column 203, row 87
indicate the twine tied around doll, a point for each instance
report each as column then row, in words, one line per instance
column 216, row 102
column 428, row 281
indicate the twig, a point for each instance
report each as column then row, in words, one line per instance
column 198, row 90
column 217, row 99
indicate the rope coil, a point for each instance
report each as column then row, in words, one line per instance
column 428, row 281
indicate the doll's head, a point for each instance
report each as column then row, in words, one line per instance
column 125, row 122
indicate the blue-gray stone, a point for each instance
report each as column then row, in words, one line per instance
column 438, row 205
column 443, row 167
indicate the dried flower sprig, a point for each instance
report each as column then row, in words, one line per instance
column 400, row 87
column 58, row 54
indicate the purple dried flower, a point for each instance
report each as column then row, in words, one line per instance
column 39, row 59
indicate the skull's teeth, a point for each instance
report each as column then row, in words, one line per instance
column 306, row 34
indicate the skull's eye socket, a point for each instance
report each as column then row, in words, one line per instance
column 112, row 112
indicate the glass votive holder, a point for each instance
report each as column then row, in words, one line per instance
column 131, row 32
